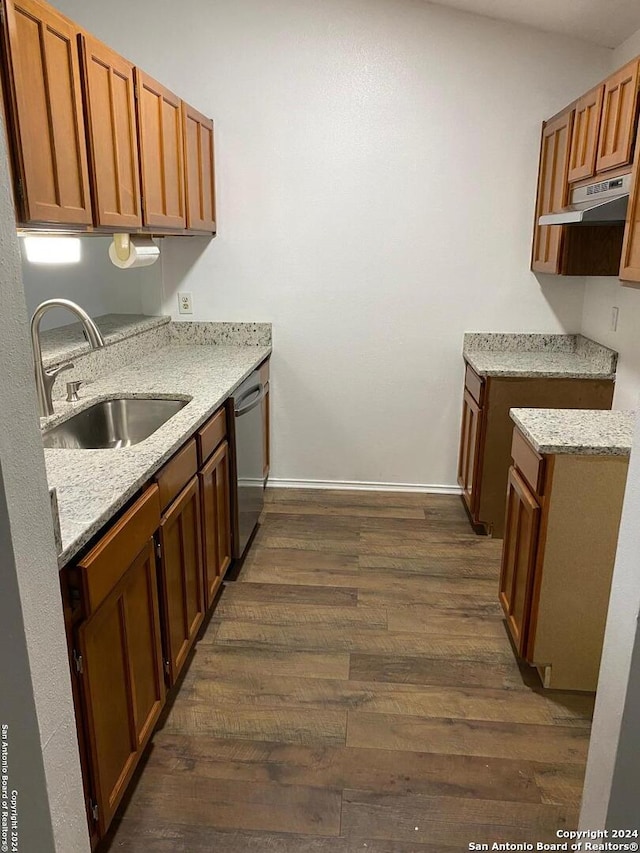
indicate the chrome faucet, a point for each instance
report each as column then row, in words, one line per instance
column 46, row 378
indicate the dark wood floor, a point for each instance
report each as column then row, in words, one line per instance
column 356, row 690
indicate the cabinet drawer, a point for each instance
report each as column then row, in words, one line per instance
column 528, row 462
column 210, row 435
column 107, row 562
column 474, row 385
column 264, row 372
column 177, row 472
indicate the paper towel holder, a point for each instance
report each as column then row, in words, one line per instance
column 129, row 250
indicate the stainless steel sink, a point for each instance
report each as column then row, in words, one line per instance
column 112, row 423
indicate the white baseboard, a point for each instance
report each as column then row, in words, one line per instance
column 363, row 486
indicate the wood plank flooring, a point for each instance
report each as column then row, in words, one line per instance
column 356, row 690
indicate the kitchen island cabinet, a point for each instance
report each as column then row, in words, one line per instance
column 564, row 505
column 504, row 371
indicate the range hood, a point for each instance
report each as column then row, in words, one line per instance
column 602, row 203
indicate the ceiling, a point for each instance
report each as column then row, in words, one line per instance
column 604, row 22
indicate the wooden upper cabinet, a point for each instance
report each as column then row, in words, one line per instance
column 584, row 139
column 199, row 170
column 630, row 261
column 47, row 119
column 619, row 111
column 161, row 153
column 113, row 139
column 552, row 192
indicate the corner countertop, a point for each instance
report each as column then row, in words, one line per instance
column 67, row 342
column 92, row 485
column 534, row 355
column 583, row 432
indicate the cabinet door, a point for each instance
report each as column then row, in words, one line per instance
column 47, row 120
column 519, row 552
column 630, row 262
column 266, row 434
column 161, row 153
column 584, row 139
column 552, row 193
column 618, row 118
column 199, row 170
column 113, row 139
column 216, row 520
column 181, row 577
column 469, row 456
column 121, row 682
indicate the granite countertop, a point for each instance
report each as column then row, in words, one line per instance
column 67, row 342
column 533, row 355
column 92, row 485
column 584, row 432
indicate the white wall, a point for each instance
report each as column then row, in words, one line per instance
column 94, row 283
column 377, row 163
column 602, row 294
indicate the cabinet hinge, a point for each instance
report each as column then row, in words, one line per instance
column 20, row 189
column 77, row 659
column 166, row 667
column 2, row 18
column 93, row 807
column 158, row 550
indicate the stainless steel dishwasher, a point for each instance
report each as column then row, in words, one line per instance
column 249, row 455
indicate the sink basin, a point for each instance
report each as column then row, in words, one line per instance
column 112, row 423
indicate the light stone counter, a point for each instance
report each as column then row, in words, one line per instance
column 67, row 342
column 584, row 432
column 92, row 485
column 533, row 355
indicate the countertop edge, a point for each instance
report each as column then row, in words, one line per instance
column 487, row 373
column 575, row 449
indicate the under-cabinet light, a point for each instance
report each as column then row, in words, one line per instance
column 52, row 250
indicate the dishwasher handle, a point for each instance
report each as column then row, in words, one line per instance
column 258, row 389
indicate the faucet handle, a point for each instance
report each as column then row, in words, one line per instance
column 72, row 391
column 49, row 376
column 56, row 370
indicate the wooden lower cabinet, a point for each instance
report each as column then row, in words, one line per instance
column 558, row 554
column 519, row 556
column 181, row 578
column 486, row 431
column 134, row 605
column 116, row 653
column 469, row 456
column 266, row 419
column 215, row 499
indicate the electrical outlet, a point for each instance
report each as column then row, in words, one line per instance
column 185, row 305
column 614, row 319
